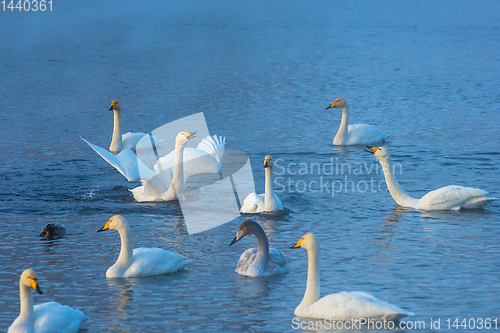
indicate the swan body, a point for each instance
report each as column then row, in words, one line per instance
column 266, row 202
column 262, row 261
column 46, row 317
column 142, row 261
column 173, row 170
column 128, row 140
column 356, row 134
column 452, row 197
column 340, row 306
column 53, row 230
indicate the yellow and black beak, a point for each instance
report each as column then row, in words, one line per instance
column 189, row 136
column 267, row 163
column 34, row 285
column 298, row 245
column 334, row 104
column 372, row 149
column 106, row 226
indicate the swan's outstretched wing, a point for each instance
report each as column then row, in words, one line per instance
column 454, row 197
column 133, row 141
column 126, row 162
column 353, row 305
column 362, row 134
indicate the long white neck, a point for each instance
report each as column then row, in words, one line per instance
column 116, row 142
column 269, row 202
column 313, row 287
column 126, row 253
column 27, row 315
column 398, row 194
column 178, row 177
column 263, row 247
column 341, row 137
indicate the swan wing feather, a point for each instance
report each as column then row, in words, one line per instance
column 134, row 141
column 52, row 317
column 454, row 197
column 253, row 203
column 155, row 261
column 126, row 162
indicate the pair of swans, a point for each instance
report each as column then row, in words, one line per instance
column 265, row 261
column 170, row 173
column 266, row 202
column 140, row 262
column 356, row 134
column 452, row 197
column 46, row 317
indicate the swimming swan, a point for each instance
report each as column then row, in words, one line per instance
column 128, row 140
column 345, row 305
column 205, row 158
column 141, row 261
column 262, row 261
column 452, row 197
column 45, row 317
column 356, row 134
column 267, row 202
column 173, row 170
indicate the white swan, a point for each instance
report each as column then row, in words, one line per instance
column 128, row 140
column 452, row 197
column 356, row 134
column 173, row 170
column 267, row 202
column 340, row 306
column 262, row 261
column 45, row 317
column 141, row 261
column 157, row 185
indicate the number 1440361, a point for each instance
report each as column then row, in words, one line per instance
column 26, row 5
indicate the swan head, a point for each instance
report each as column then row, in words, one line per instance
column 378, row 152
column 115, row 106
column 183, row 137
column 268, row 161
column 246, row 228
column 48, row 231
column 29, row 279
column 308, row 242
column 116, row 222
column 338, row 103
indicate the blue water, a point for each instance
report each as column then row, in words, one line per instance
column 263, row 73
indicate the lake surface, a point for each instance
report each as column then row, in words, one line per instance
column 262, row 73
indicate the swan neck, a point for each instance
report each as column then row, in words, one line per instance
column 313, row 285
column 127, row 251
column 398, row 194
column 116, row 142
column 341, row 137
column 26, row 302
column 178, row 176
column 268, row 190
column 263, row 247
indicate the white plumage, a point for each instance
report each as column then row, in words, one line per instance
column 142, row 261
column 50, row 317
column 340, row 306
column 355, row 134
column 452, row 197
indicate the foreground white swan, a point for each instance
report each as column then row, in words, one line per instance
column 452, row 197
column 142, row 261
column 164, row 183
column 45, row 317
column 267, row 202
column 262, row 261
column 356, row 134
column 128, row 140
column 340, row 306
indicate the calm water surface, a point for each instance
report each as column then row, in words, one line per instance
column 426, row 72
